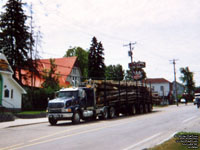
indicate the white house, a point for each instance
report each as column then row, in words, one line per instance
column 10, row 91
column 162, row 87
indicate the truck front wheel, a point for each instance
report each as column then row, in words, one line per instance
column 76, row 118
column 104, row 114
column 52, row 121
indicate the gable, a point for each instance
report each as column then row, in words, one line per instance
column 64, row 69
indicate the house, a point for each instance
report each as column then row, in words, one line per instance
column 67, row 70
column 162, row 87
column 180, row 88
column 10, row 91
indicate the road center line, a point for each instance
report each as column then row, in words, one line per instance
column 9, row 147
column 74, row 134
column 143, row 141
column 186, row 120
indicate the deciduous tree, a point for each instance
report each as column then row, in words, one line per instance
column 82, row 57
column 114, row 72
column 187, row 79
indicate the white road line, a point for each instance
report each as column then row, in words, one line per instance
column 186, row 120
column 172, row 135
column 143, row 141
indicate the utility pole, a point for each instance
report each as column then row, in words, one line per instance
column 130, row 53
column 174, row 64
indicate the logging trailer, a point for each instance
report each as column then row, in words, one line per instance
column 100, row 99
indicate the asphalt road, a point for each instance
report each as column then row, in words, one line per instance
column 123, row 133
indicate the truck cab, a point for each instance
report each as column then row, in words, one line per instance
column 72, row 104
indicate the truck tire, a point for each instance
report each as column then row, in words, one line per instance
column 141, row 109
column 146, row 108
column 76, row 118
column 111, row 112
column 133, row 110
column 104, row 114
column 52, row 121
column 150, row 107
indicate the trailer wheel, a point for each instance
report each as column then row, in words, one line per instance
column 146, row 107
column 150, row 107
column 52, row 121
column 111, row 112
column 76, row 118
column 141, row 109
column 133, row 110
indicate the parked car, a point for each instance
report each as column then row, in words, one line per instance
column 183, row 100
column 194, row 101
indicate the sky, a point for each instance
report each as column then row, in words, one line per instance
column 162, row 29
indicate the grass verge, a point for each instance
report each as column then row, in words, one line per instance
column 181, row 141
column 31, row 112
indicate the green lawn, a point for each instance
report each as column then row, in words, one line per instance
column 31, row 112
column 181, row 141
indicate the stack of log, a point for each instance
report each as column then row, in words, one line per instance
column 114, row 91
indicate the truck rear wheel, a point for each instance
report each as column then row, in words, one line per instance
column 146, row 108
column 150, row 107
column 141, row 109
column 111, row 112
column 76, row 118
column 52, row 121
column 133, row 110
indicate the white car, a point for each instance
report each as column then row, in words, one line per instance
column 183, row 100
column 194, row 101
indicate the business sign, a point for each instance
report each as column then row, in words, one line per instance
column 4, row 66
column 137, row 75
column 138, row 64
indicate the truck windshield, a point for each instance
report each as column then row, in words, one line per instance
column 68, row 94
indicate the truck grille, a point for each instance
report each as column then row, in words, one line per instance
column 55, row 110
column 56, row 105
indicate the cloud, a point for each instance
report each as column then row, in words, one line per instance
column 163, row 29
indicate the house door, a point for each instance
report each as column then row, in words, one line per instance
column 1, row 89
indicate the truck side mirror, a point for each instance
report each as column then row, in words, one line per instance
column 81, row 94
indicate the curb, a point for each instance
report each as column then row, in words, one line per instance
column 31, row 116
column 20, row 125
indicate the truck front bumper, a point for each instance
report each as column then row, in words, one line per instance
column 60, row 115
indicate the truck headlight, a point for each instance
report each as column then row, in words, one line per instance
column 68, row 110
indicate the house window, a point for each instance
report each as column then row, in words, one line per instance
column 12, row 93
column 162, row 88
column 153, row 88
column 6, row 93
column 74, row 70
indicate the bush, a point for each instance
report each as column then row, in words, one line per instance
column 37, row 98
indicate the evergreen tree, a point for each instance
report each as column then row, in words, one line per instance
column 15, row 39
column 96, row 66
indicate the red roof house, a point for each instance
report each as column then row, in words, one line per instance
column 67, row 69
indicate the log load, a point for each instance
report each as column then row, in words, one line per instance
column 108, row 91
